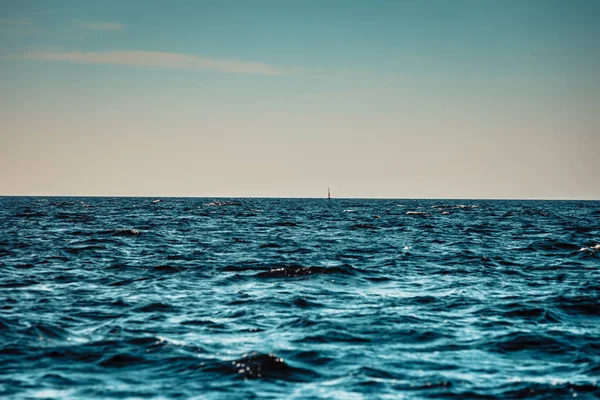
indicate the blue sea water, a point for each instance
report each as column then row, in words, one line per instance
column 298, row 298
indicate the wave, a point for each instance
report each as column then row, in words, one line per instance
column 418, row 213
column 362, row 226
column 285, row 223
column 548, row 390
column 123, row 361
column 295, row 272
column 155, row 307
column 262, row 366
column 270, row 246
column 125, row 232
column 44, row 332
column 532, row 342
column 224, row 203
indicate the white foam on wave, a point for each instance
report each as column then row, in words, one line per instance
column 591, row 249
column 52, row 394
column 176, row 342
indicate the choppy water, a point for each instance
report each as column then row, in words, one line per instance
column 298, row 298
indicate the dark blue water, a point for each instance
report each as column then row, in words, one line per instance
column 298, row 298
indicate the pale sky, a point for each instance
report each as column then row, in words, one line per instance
column 401, row 99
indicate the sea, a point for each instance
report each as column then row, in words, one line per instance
column 241, row 298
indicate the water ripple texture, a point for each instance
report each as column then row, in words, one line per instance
column 298, row 298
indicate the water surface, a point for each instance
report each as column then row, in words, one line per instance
column 298, row 298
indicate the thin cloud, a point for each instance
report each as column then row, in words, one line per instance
column 15, row 21
column 102, row 26
column 154, row 59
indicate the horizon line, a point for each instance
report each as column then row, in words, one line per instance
column 311, row 198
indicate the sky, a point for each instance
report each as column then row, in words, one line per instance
column 382, row 98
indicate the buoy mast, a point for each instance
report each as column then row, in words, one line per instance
column 328, row 194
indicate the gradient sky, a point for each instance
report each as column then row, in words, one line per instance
column 419, row 99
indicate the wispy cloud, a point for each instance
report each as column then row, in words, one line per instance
column 15, row 21
column 153, row 59
column 102, row 26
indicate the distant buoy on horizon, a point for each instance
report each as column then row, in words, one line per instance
column 328, row 194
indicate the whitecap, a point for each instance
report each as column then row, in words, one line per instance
column 416, row 213
column 51, row 394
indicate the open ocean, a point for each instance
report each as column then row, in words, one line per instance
column 298, row 298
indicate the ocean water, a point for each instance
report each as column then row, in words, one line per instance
column 298, row 298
